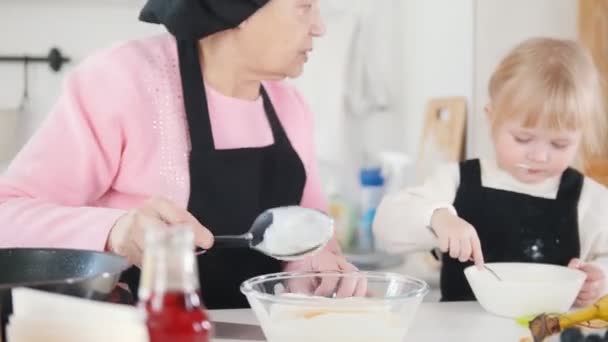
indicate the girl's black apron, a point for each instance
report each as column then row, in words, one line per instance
column 513, row 227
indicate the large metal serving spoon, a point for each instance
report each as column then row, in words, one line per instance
column 284, row 233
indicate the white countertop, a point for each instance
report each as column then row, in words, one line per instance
column 434, row 322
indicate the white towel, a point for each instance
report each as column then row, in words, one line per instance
column 374, row 59
column 50, row 317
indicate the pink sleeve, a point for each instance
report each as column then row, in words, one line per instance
column 47, row 192
column 313, row 196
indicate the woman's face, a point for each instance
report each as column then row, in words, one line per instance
column 278, row 38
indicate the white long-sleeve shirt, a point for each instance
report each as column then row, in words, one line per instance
column 402, row 219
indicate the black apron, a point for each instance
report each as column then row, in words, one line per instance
column 230, row 188
column 513, row 227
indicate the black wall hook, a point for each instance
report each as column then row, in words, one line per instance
column 55, row 59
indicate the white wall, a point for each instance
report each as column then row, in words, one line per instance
column 438, row 58
column 77, row 27
column 499, row 25
column 453, row 46
column 450, row 48
column 354, row 85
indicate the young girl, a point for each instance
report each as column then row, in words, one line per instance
column 527, row 205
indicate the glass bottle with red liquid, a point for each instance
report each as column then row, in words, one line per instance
column 169, row 289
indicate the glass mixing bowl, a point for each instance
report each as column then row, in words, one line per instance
column 311, row 307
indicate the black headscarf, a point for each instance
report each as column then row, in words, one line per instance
column 196, row 19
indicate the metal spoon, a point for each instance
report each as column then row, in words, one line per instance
column 492, row 271
column 316, row 222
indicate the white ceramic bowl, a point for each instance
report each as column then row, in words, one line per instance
column 289, row 311
column 526, row 288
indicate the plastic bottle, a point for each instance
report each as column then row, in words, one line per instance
column 372, row 190
column 341, row 211
column 342, row 202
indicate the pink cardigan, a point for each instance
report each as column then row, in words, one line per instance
column 118, row 136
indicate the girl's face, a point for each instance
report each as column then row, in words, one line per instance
column 534, row 154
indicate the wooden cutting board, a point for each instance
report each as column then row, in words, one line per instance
column 443, row 134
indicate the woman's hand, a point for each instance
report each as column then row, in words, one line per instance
column 127, row 235
column 329, row 259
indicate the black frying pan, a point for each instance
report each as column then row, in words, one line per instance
column 79, row 273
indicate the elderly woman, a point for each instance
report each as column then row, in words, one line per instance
column 193, row 127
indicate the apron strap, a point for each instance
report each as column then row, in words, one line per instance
column 470, row 173
column 570, row 186
column 195, row 99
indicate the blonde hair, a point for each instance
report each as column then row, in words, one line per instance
column 553, row 83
